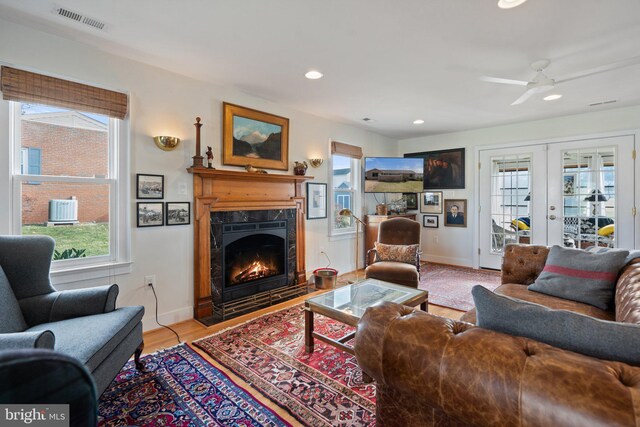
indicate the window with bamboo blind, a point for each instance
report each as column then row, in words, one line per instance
column 345, row 173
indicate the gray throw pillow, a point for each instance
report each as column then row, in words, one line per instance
column 560, row 328
column 581, row 276
column 11, row 319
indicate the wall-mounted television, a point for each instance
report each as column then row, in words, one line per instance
column 393, row 175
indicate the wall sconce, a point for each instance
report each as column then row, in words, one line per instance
column 315, row 163
column 166, row 143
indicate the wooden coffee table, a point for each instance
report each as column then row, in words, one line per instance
column 347, row 305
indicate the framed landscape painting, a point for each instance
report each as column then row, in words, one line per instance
column 431, row 202
column 443, row 169
column 255, row 138
column 178, row 213
column 149, row 186
column 150, row 214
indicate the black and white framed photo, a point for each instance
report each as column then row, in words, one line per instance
column 431, row 202
column 178, row 213
column 150, row 214
column 316, row 200
column 430, row 221
column 149, row 186
column 412, row 200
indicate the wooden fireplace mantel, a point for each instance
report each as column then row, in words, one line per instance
column 229, row 190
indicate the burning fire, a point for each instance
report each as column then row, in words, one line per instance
column 255, row 270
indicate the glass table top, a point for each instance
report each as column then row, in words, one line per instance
column 355, row 299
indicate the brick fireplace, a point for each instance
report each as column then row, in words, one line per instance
column 249, row 241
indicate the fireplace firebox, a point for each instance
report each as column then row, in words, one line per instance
column 254, row 258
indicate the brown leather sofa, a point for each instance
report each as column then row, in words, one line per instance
column 434, row 371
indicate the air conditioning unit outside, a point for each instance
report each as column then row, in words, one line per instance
column 63, row 211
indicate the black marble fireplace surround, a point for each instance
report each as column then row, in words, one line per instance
column 227, row 227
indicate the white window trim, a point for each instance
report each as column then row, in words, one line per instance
column 345, row 233
column 119, row 260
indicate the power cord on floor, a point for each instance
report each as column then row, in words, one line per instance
column 157, row 321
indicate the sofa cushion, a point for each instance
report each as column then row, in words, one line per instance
column 11, row 319
column 560, row 328
column 581, row 276
column 397, row 253
column 91, row 339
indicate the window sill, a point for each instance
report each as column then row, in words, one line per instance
column 89, row 272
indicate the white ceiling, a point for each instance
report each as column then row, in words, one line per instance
column 393, row 61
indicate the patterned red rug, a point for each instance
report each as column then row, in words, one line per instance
column 324, row 388
column 180, row 388
column 450, row 286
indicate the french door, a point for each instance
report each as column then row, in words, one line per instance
column 574, row 194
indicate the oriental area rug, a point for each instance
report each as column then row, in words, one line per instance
column 324, row 388
column 180, row 388
column 450, row 286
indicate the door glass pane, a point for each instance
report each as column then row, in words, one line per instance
column 510, row 200
column 589, row 194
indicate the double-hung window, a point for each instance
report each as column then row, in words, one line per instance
column 66, row 175
column 345, row 185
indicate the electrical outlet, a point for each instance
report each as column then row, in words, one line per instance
column 435, row 239
column 182, row 188
column 150, row 280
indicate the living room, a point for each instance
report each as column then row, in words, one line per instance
column 169, row 82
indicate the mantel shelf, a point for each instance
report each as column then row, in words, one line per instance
column 247, row 176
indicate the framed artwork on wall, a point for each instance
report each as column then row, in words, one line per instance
column 456, row 210
column 150, row 214
column 256, row 138
column 430, row 221
column 178, row 213
column 443, row 169
column 316, row 200
column 411, row 199
column 431, row 202
column 149, row 186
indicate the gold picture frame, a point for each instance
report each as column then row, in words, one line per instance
column 256, row 138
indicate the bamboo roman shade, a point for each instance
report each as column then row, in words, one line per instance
column 347, row 150
column 24, row 86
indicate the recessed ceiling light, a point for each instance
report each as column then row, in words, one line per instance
column 508, row 4
column 313, row 75
column 552, row 97
column 418, row 122
column 368, row 119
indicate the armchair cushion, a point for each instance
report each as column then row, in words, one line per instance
column 581, row 276
column 560, row 328
column 91, row 339
column 394, row 272
column 11, row 319
column 29, row 339
column 397, row 253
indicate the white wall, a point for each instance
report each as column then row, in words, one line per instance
column 455, row 245
column 164, row 103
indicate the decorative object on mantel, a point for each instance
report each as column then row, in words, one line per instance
column 300, row 168
column 255, row 137
column 198, row 160
column 251, row 169
column 166, row 143
column 316, row 163
column 347, row 212
column 209, row 157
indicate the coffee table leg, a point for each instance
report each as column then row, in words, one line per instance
column 308, row 330
column 424, row 306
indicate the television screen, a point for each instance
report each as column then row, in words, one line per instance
column 393, row 175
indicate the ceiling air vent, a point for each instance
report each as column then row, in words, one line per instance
column 367, row 119
column 595, row 104
column 78, row 17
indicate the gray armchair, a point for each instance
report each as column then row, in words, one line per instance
column 81, row 323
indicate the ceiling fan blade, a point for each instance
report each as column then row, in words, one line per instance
column 601, row 69
column 503, row 81
column 524, row 97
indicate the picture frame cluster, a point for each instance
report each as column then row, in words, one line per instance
column 157, row 214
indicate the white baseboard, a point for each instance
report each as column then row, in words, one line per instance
column 169, row 318
column 462, row 262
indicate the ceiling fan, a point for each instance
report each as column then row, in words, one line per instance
column 541, row 83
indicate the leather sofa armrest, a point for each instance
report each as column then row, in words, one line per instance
column 27, row 340
column 522, row 264
column 481, row 377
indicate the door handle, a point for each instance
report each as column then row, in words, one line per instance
column 552, row 217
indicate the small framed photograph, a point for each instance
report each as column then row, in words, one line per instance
column 430, row 221
column 412, row 200
column 150, row 214
column 178, row 213
column 456, row 213
column 569, row 184
column 316, row 200
column 431, row 202
column 149, row 186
